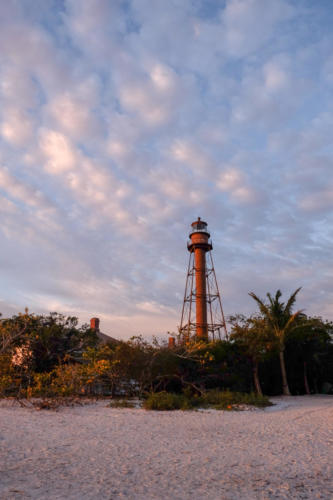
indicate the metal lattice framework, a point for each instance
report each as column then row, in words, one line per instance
column 215, row 318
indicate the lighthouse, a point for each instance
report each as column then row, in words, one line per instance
column 202, row 314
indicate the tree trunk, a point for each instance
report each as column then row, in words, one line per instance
column 306, row 383
column 285, row 387
column 256, row 378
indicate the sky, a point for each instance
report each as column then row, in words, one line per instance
column 122, row 121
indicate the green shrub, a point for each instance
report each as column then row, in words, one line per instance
column 226, row 400
column 167, row 401
column 220, row 400
column 258, row 400
column 122, row 403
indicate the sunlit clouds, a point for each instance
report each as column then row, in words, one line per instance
column 121, row 122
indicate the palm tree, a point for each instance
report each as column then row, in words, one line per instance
column 280, row 321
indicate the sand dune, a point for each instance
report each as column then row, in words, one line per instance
column 95, row 452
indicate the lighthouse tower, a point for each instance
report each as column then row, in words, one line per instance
column 202, row 314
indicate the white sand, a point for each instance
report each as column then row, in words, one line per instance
column 95, row 452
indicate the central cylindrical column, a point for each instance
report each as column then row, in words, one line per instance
column 199, row 244
column 200, row 283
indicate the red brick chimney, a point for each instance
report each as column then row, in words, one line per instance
column 94, row 324
column 172, row 342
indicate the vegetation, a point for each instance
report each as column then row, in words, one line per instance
column 122, row 403
column 219, row 400
column 279, row 321
column 253, row 336
column 271, row 352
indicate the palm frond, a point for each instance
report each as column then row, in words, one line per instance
column 291, row 320
column 271, row 301
column 291, row 302
column 264, row 309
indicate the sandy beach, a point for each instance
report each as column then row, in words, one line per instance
column 95, row 452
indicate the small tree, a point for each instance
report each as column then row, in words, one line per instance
column 13, row 332
column 308, row 344
column 55, row 337
column 280, row 321
column 252, row 334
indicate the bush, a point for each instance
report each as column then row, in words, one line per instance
column 167, row 401
column 220, row 400
column 121, row 403
column 226, row 400
column 257, row 400
column 74, row 379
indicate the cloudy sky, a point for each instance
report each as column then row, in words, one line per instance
column 121, row 121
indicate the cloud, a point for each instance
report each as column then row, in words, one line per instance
column 21, row 191
column 17, row 127
column 318, row 201
column 138, row 100
column 153, row 308
column 194, row 157
column 250, row 24
column 121, row 122
column 233, row 181
column 276, row 77
column 163, row 78
column 151, row 95
column 58, row 151
column 75, row 117
column 17, row 87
